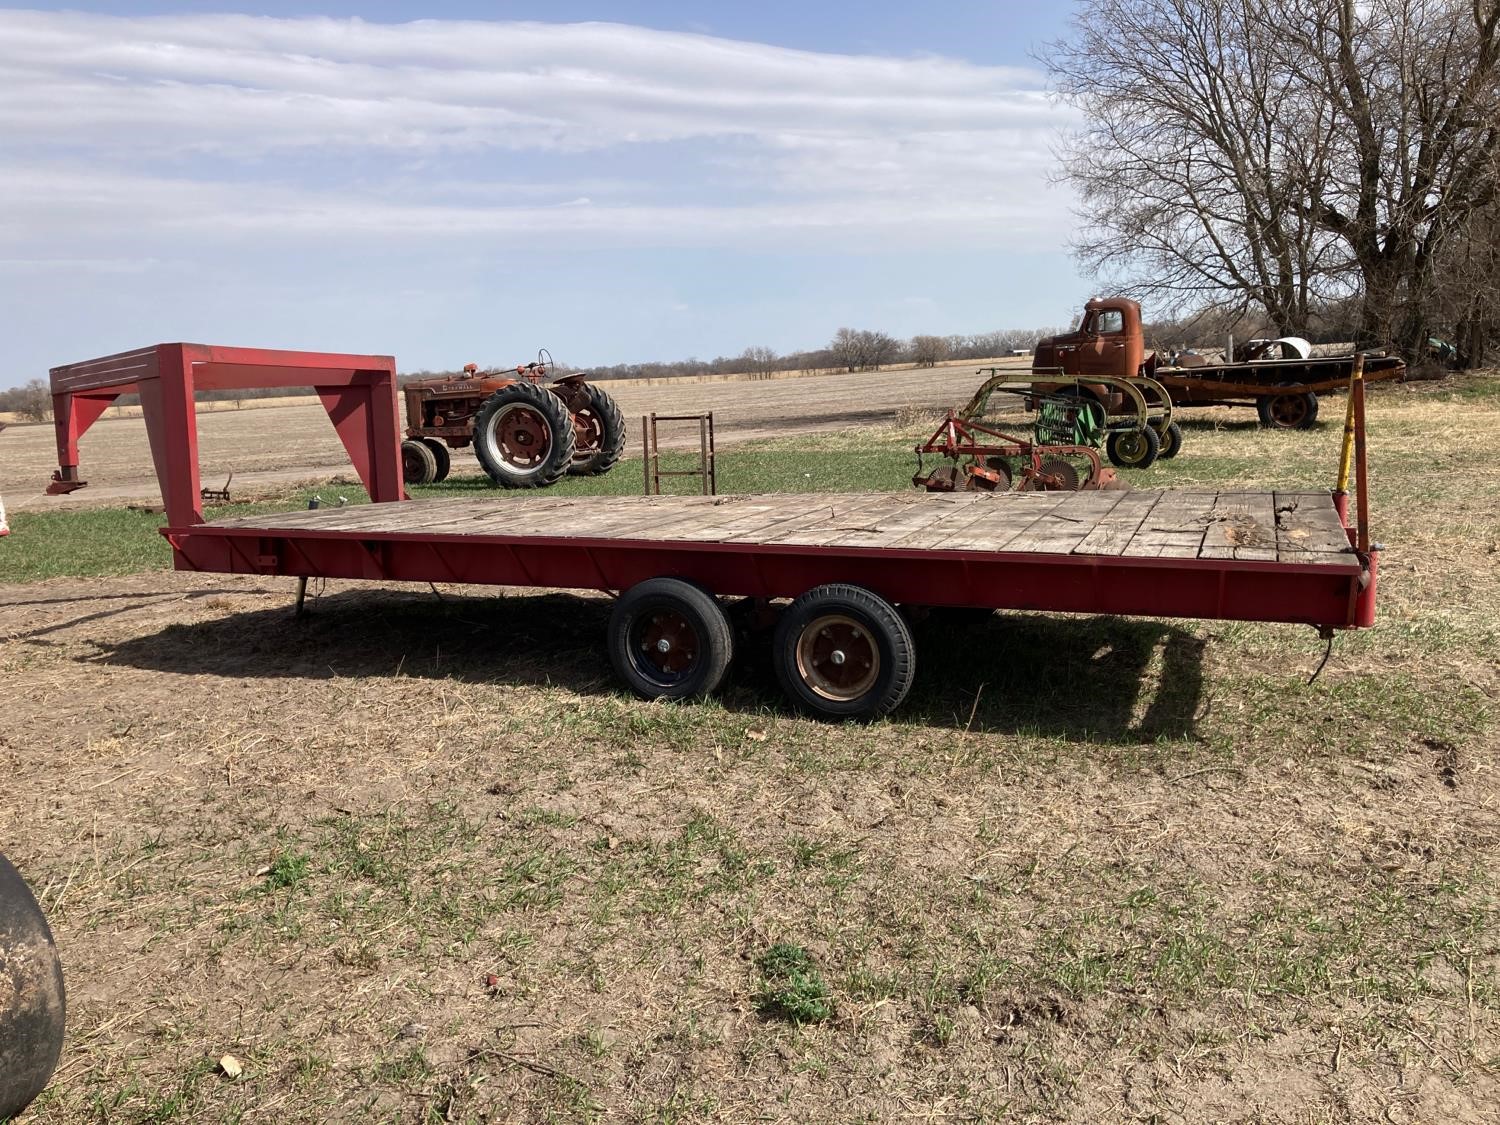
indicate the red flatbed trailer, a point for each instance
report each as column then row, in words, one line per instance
column 841, row 648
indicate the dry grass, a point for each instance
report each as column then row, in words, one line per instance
column 418, row 860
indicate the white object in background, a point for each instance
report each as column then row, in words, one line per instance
column 4, row 527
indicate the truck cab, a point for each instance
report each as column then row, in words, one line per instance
column 1108, row 341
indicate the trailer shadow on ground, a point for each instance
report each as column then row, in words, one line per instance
column 1100, row 679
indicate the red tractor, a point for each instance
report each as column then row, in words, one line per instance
column 526, row 432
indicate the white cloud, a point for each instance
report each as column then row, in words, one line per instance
column 223, row 126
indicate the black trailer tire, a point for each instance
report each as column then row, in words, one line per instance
column 440, row 458
column 604, row 416
column 1290, row 410
column 670, row 639
column 523, row 437
column 1133, row 449
column 843, row 652
column 33, row 1001
column 418, row 465
column 1171, row 442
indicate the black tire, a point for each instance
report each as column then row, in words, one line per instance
column 1133, row 449
column 603, row 415
column 418, row 465
column 538, row 448
column 1171, row 443
column 688, row 621
column 843, row 652
column 33, row 1002
column 440, row 458
column 1290, row 410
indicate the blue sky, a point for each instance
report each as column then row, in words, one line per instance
column 682, row 179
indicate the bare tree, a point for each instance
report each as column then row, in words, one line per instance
column 1281, row 153
column 32, row 401
column 928, row 351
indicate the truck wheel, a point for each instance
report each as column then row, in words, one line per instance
column 1171, row 442
column 33, row 1005
column 418, row 465
column 523, row 437
column 1290, row 410
column 440, row 458
column 601, row 434
column 1133, row 449
column 843, row 652
column 670, row 639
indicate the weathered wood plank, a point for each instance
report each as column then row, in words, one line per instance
column 1308, row 524
column 1112, row 534
column 1067, row 525
column 1174, row 528
column 1242, row 525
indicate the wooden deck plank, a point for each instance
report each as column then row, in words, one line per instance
column 921, row 511
column 1242, row 525
column 1175, row 527
column 1112, row 534
column 1066, row 526
column 1307, row 524
column 1228, row 525
column 1008, row 516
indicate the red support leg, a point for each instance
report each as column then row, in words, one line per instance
column 368, row 423
column 172, row 426
column 72, row 414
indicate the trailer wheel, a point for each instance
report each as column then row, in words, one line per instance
column 670, row 639
column 1171, row 442
column 418, row 465
column 601, row 434
column 523, row 436
column 1133, row 449
column 1290, row 410
column 33, row 1001
column 843, row 652
column 440, row 458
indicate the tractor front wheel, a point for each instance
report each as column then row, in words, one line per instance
column 418, row 465
column 601, row 434
column 523, row 437
column 440, row 458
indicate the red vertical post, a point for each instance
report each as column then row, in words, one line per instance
column 1361, row 469
column 72, row 414
column 172, row 427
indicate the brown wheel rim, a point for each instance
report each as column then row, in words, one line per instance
column 522, row 437
column 1288, row 410
column 837, row 658
column 665, row 645
column 590, row 434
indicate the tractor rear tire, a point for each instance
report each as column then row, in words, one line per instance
column 670, row 639
column 523, row 437
column 1133, row 449
column 605, row 431
column 418, row 465
column 440, row 457
column 844, row 652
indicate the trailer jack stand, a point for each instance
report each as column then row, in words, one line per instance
column 301, row 609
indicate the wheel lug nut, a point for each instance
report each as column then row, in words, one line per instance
column 837, row 656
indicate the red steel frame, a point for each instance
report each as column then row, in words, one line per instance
column 359, row 392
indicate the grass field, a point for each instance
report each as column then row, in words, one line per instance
column 417, row 858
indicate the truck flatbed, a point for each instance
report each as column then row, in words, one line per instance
column 846, row 561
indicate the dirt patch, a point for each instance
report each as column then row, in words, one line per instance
column 417, row 859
